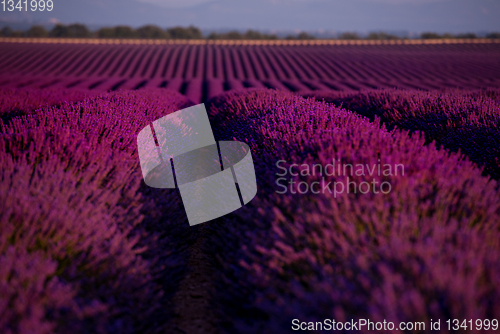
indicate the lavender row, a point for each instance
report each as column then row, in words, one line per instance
column 417, row 66
column 84, row 246
column 426, row 250
column 465, row 121
column 15, row 102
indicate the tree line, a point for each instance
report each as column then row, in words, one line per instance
column 154, row 32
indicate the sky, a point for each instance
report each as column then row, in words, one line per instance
column 308, row 15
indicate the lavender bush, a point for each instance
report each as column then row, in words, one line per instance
column 427, row 250
column 86, row 247
column 73, row 221
column 17, row 101
column 194, row 69
column 459, row 120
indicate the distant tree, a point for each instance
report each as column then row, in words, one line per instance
column 248, row 35
column 430, row 35
column 105, row 32
column 18, row 33
column 78, row 30
column 37, row 31
column 304, row 35
column 195, row 32
column 252, row 34
column 124, row 32
column 7, row 32
column 72, row 30
column 348, row 35
column 447, row 35
column 467, row 35
column 59, row 30
column 493, row 35
column 213, row 35
column 151, row 31
column 233, row 35
column 381, row 36
column 116, row 32
column 190, row 32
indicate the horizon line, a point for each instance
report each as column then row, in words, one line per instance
column 277, row 42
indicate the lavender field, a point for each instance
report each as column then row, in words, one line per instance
column 203, row 71
column 87, row 247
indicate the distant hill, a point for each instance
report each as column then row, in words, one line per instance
column 340, row 15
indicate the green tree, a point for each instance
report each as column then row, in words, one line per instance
column 248, row 35
column 59, row 30
column 381, row 36
column 304, row 36
column 37, row 31
column 253, row 34
column 213, row 35
column 233, row 35
column 348, row 35
column 105, row 32
column 78, row 30
column 430, row 35
column 467, row 35
column 73, row 30
column 7, row 32
column 190, row 32
column 124, row 32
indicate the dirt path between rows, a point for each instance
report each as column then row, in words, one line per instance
column 192, row 309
